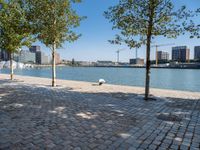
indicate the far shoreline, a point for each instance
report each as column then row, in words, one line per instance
column 119, row 66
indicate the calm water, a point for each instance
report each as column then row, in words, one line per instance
column 176, row 79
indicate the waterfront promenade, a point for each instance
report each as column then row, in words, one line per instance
column 83, row 116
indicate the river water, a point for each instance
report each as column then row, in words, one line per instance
column 176, row 79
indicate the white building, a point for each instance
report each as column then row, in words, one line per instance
column 25, row 57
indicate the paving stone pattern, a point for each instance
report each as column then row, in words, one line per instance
column 39, row 117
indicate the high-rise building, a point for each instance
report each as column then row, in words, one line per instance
column 163, row 56
column 41, row 58
column 197, row 52
column 25, row 57
column 137, row 61
column 45, row 59
column 57, row 58
column 38, row 57
column 4, row 56
column 34, row 49
column 180, row 54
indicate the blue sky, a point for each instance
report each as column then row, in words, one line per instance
column 93, row 45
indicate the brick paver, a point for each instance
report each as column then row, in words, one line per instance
column 39, row 117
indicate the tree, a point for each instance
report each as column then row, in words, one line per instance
column 14, row 29
column 192, row 28
column 139, row 21
column 52, row 22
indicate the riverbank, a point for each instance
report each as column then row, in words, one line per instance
column 91, row 87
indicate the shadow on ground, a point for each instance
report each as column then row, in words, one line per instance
column 43, row 118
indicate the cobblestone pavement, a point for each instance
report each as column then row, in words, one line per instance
column 39, row 117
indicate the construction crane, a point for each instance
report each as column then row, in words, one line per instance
column 118, row 51
column 160, row 45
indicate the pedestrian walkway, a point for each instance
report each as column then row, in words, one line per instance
column 40, row 117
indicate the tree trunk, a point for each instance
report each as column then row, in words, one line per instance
column 11, row 67
column 53, row 66
column 148, row 66
column 149, row 35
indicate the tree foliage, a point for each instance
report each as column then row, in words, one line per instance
column 52, row 20
column 15, row 31
column 193, row 28
column 14, row 28
column 132, row 19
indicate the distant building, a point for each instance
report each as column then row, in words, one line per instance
column 85, row 63
column 67, row 62
column 163, row 56
column 38, row 57
column 180, row 54
column 41, row 58
column 16, row 57
column 34, row 49
column 137, row 61
column 57, row 58
column 26, row 57
column 197, row 52
column 104, row 63
column 45, row 59
column 123, row 63
column 4, row 56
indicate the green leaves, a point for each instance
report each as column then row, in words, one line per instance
column 53, row 20
column 15, row 31
column 133, row 17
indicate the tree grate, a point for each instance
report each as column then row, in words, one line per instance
column 169, row 117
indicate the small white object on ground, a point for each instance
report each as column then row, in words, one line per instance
column 101, row 81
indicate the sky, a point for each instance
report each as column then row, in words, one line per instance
column 93, row 45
